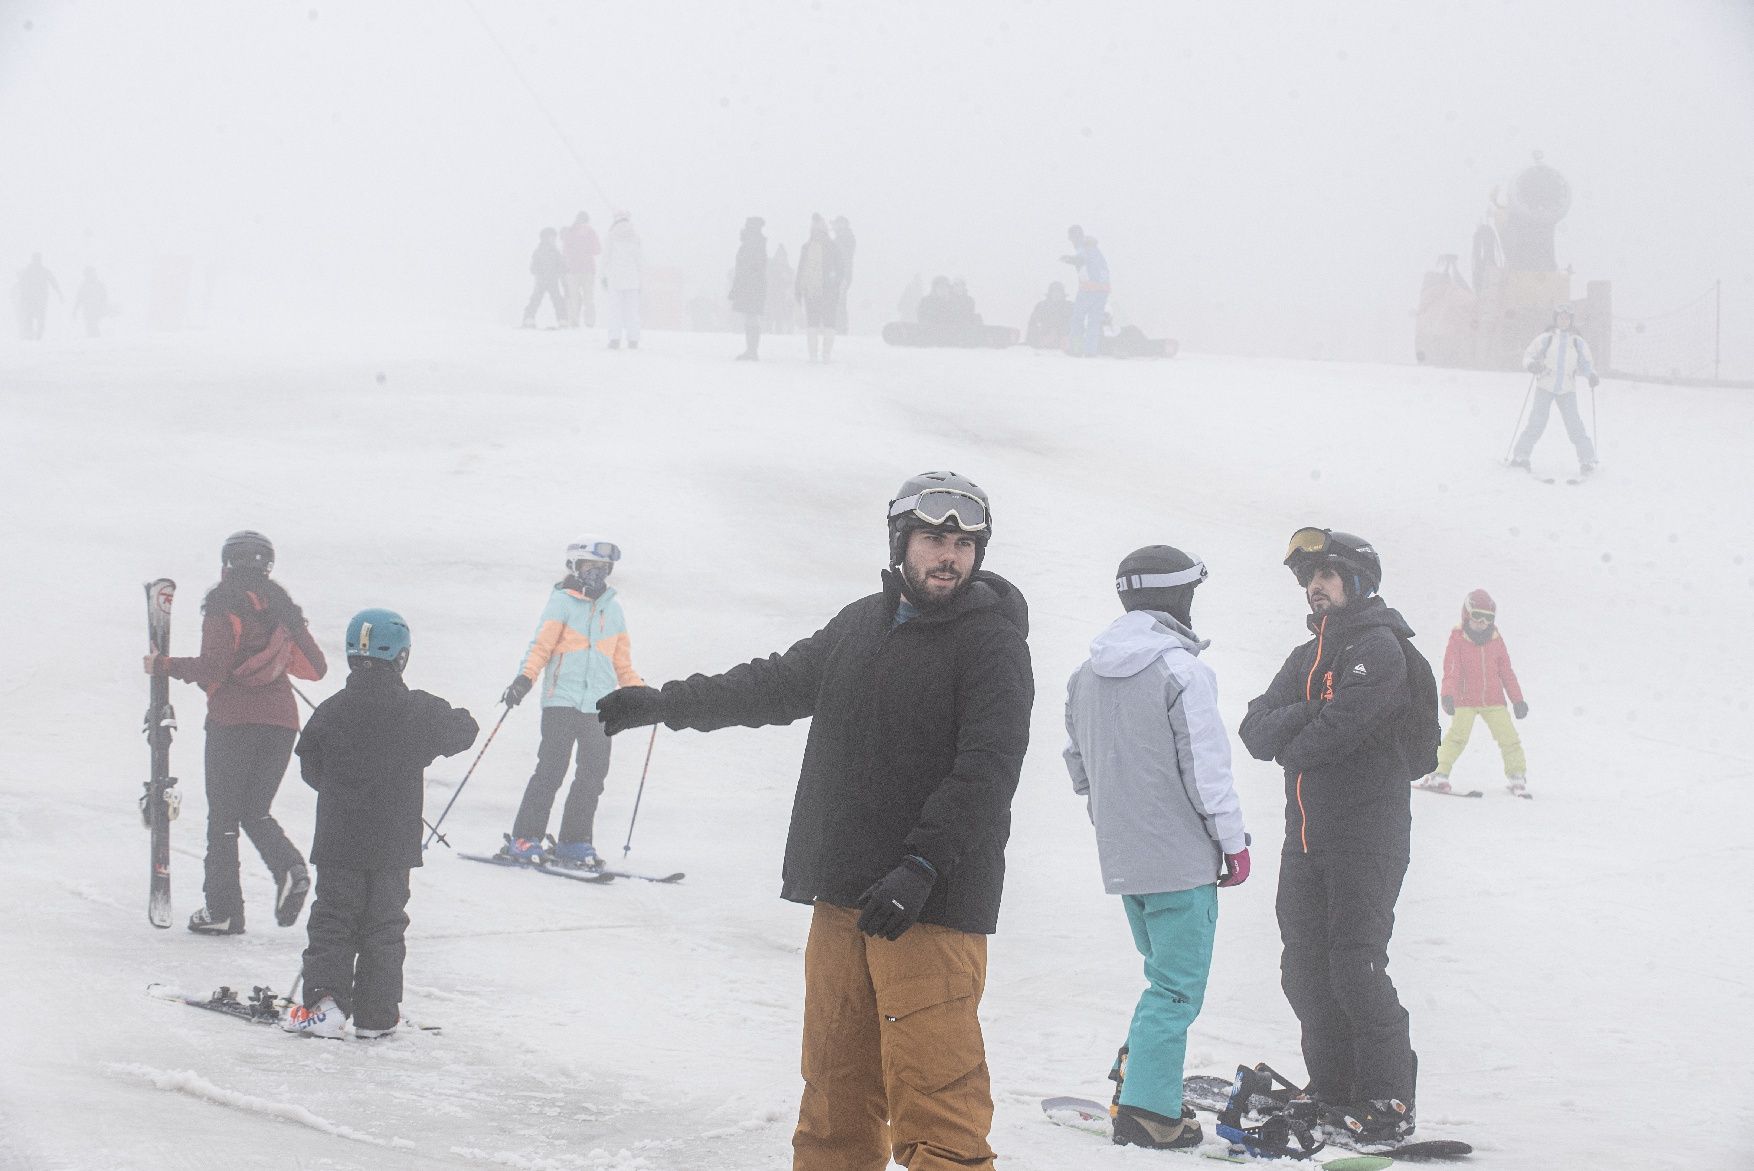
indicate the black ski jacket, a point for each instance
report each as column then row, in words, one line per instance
column 915, row 747
column 1334, row 719
column 365, row 750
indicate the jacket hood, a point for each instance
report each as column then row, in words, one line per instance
column 1137, row 639
column 1358, row 616
column 986, row 590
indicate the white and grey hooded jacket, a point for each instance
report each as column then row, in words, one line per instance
column 1146, row 746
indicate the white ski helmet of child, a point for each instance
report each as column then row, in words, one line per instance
column 592, row 548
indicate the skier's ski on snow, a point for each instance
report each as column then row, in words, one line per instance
column 1092, row 1117
column 614, row 873
column 158, row 805
column 1449, row 792
column 598, row 877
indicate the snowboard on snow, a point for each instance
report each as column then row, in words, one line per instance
column 1212, row 1094
column 158, row 805
column 1091, row 1116
column 263, row 1006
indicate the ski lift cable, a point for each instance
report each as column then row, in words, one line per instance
column 536, row 100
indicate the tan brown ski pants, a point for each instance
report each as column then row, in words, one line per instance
column 893, row 1058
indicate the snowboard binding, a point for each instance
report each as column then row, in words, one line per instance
column 1288, row 1130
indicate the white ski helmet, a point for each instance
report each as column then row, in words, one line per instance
column 592, row 548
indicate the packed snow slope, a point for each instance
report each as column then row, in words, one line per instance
column 1576, row 966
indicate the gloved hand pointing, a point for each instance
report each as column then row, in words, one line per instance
column 893, row 903
column 630, row 707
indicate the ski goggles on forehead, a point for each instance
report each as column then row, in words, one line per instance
column 1308, row 541
column 937, row 506
column 595, row 551
column 1488, row 615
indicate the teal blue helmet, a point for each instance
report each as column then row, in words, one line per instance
column 379, row 634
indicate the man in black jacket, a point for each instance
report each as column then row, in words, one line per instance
column 919, row 697
column 1344, row 720
column 365, row 751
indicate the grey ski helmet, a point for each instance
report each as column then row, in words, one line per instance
column 939, row 500
column 1160, row 577
column 1355, row 558
column 247, row 549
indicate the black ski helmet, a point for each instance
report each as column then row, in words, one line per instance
column 1162, row 578
column 247, row 549
column 939, row 500
column 1356, row 559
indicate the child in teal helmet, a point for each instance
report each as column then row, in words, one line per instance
column 365, row 751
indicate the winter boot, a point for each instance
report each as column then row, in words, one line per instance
column 1381, row 1124
column 293, row 886
column 573, row 855
column 324, row 1019
column 522, row 850
column 1137, row 1127
column 205, row 922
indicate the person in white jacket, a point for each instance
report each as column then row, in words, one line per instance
column 1146, row 747
column 1556, row 358
column 622, row 263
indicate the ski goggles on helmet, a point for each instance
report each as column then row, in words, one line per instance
column 942, row 506
column 593, row 551
column 1193, row 575
column 1488, row 615
column 1311, row 548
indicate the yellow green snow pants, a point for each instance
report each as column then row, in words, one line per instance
column 1503, row 730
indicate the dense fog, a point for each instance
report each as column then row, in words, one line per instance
column 1265, row 179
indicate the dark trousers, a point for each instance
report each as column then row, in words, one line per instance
column 563, row 729
column 1336, row 913
column 244, row 767
column 357, row 928
column 547, row 286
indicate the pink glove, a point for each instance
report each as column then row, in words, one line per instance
column 1236, row 868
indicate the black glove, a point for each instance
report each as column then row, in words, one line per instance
column 630, row 707
column 1520, row 708
column 514, row 694
column 892, row 904
column 288, row 614
column 1449, row 705
column 1594, row 381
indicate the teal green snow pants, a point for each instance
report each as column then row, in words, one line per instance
column 1174, row 933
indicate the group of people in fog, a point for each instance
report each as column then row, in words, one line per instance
column 570, row 263
column 818, row 285
column 919, row 697
column 35, row 284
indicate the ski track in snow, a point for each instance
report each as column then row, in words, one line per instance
column 1544, row 948
column 193, row 1084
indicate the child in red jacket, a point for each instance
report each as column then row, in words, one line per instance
column 1477, row 676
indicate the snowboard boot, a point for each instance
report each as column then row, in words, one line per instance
column 1117, row 1074
column 205, row 922
column 572, row 855
column 323, row 1019
column 522, row 850
column 1138, row 1127
column 373, row 1033
column 1372, row 1127
column 290, row 900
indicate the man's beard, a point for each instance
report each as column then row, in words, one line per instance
column 916, row 587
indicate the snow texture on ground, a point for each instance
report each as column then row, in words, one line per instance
column 1576, row 966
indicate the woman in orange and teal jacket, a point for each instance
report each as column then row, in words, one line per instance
column 581, row 653
column 1477, row 677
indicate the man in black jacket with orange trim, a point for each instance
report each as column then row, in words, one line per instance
column 919, row 697
column 1345, row 718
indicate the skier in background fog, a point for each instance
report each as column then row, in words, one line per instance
column 1556, row 358
column 749, row 286
column 847, row 245
column 781, row 309
column 580, row 246
column 818, row 286
column 547, row 266
column 35, row 283
column 1093, row 290
column 622, row 265
column 92, row 302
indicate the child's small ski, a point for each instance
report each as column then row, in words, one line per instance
column 1448, row 792
column 676, row 877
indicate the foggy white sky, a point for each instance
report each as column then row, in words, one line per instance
column 1264, row 178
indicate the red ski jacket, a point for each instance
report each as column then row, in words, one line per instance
column 1477, row 674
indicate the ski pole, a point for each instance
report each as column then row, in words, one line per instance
column 459, row 790
column 650, row 744
column 302, row 695
column 1519, row 418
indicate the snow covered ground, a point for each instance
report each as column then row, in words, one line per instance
column 1576, row 966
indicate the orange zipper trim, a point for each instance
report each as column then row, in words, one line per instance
column 1303, row 815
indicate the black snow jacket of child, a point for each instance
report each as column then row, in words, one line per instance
column 365, row 750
